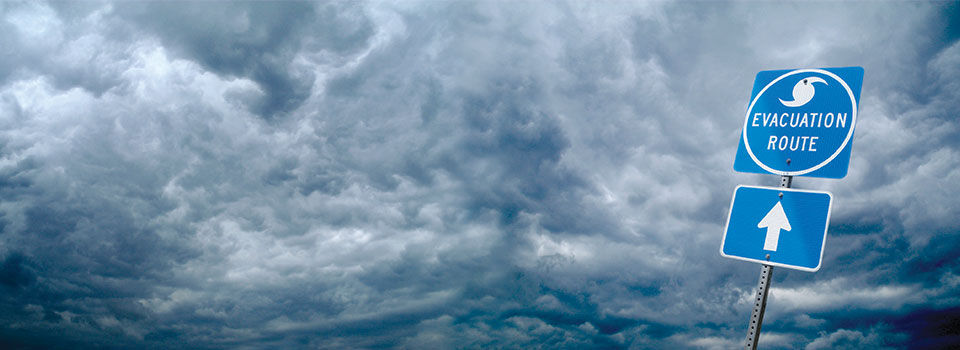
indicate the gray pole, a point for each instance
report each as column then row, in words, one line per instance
column 763, row 288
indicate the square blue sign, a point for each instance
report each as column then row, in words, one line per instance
column 788, row 225
column 800, row 122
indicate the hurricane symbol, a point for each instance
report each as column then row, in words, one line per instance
column 803, row 92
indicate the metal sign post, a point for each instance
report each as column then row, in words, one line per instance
column 760, row 304
column 799, row 122
column 763, row 288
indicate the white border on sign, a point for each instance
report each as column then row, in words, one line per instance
column 853, row 123
column 823, row 243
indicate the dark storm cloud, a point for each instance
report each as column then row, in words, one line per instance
column 259, row 41
column 445, row 175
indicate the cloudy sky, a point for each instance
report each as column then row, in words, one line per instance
column 457, row 175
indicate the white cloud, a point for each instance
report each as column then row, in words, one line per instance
column 875, row 338
column 842, row 292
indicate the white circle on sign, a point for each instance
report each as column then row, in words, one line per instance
column 853, row 123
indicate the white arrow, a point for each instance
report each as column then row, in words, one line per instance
column 774, row 221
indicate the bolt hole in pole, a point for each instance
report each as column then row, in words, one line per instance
column 763, row 289
column 786, row 181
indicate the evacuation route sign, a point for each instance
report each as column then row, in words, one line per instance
column 788, row 225
column 800, row 122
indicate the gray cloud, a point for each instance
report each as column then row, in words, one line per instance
column 270, row 44
column 352, row 175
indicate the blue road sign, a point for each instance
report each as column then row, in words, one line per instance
column 792, row 229
column 800, row 122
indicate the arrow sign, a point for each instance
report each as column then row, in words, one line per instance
column 758, row 215
column 774, row 221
